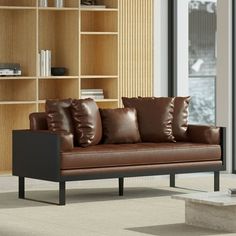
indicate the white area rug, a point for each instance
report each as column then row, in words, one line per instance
column 95, row 209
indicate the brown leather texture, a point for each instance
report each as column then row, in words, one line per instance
column 87, row 121
column 120, row 125
column 144, row 169
column 180, row 118
column 38, row 121
column 155, row 117
column 67, row 141
column 203, row 134
column 113, row 155
column 59, row 116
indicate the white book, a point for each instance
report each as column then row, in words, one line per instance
column 43, row 3
column 48, row 63
column 42, row 64
column 92, row 6
column 91, row 91
column 92, row 96
column 39, row 65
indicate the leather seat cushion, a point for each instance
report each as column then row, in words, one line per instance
column 117, row 155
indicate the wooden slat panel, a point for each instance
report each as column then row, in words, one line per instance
column 135, row 48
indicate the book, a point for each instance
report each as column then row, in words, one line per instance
column 42, row 63
column 95, row 97
column 43, row 3
column 91, row 91
column 39, row 65
column 93, row 6
column 48, row 63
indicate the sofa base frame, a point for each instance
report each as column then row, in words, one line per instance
column 62, row 188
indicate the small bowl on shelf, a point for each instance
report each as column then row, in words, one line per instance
column 58, row 71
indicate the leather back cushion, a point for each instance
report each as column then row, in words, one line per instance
column 120, row 125
column 87, row 121
column 59, row 115
column 180, row 118
column 38, row 121
column 155, row 117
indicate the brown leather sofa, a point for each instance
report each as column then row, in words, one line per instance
column 42, row 154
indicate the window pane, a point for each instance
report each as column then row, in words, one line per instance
column 202, row 106
column 202, row 60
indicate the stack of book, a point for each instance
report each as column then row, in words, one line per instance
column 45, row 58
column 95, row 94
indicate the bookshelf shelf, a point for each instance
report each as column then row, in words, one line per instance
column 84, row 9
column 17, row 8
column 16, row 102
column 17, row 78
column 57, row 77
column 98, row 76
column 99, row 33
column 58, row 9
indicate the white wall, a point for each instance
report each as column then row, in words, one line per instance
column 224, row 73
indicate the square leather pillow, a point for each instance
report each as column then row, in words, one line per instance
column 155, row 117
column 59, row 116
column 180, row 118
column 120, row 125
column 87, row 122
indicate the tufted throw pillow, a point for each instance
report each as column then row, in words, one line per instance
column 180, row 118
column 155, row 117
column 120, row 125
column 59, row 115
column 87, row 121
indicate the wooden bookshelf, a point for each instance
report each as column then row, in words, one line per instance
column 86, row 41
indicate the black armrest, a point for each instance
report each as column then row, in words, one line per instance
column 37, row 154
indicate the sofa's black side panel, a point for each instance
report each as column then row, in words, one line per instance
column 36, row 155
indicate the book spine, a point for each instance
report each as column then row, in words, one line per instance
column 59, row 3
column 43, row 3
column 47, row 63
column 39, row 65
column 43, row 65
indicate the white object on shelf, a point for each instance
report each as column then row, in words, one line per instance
column 45, row 59
column 39, row 65
column 43, row 3
column 91, row 91
column 48, row 63
column 43, row 63
column 98, row 97
column 59, row 3
column 93, row 6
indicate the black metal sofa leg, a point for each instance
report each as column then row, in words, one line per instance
column 216, row 181
column 121, row 186
column 62, row 193
column 21, row 190
column 172, row 180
